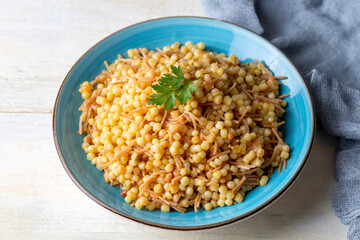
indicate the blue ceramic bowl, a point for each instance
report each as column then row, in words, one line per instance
column 217, row 36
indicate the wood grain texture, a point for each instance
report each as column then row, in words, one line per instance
column 39, row 42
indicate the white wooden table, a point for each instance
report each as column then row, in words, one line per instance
column 39, row 42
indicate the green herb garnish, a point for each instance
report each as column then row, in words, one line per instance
column 171, row 88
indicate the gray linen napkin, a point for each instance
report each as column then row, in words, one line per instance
column 322, row 38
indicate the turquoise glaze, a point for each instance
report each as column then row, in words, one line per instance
column 217, row 36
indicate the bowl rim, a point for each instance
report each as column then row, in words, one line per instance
column 171, row 227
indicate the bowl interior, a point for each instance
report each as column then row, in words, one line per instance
column 217, row 36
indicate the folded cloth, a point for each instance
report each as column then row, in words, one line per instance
column 322, row 38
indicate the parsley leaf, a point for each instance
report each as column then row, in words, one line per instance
column 171, row 81
column 184, row 92
column 167, row 99
column 171, row 88
column 177, row 71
